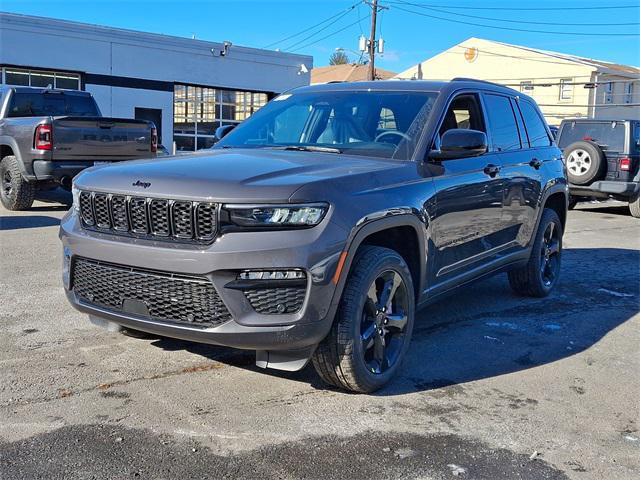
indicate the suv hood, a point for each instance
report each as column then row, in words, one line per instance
column 244, row 175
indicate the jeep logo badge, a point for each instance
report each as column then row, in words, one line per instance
column 138, row 183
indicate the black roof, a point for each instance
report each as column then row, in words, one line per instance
column 410, row 86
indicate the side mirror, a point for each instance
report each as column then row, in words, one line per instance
column 460, row 143
column 222, row 131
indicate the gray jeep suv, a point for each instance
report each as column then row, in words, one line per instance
column 317, row 228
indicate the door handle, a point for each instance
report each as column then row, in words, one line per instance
column 535, row 163
column 492, row 170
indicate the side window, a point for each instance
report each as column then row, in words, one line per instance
column 502, row 121
column 536, row 130
column 463, row 112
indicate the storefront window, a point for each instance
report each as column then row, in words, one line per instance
column 198, row 111
column 38, row 78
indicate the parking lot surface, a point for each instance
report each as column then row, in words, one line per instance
column 495, row 386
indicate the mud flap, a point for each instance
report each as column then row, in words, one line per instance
column 287, row 360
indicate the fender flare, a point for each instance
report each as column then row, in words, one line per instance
column 550, row 190
column 11, row 143
column 368, row 226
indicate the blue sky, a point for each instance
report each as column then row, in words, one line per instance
column 409, row 38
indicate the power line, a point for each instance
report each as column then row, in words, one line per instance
column 506, row 20
column 339, row 14
column 396, row 5
column 324, row 38
column 592, row 105
column 308, row 37
column 612, row 7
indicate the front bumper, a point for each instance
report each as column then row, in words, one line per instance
column 315, row 250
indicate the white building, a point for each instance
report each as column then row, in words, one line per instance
column 565, row 86
column 187, row 87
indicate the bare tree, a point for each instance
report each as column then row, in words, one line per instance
column 339, row 58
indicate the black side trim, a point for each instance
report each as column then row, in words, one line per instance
column 127, row 82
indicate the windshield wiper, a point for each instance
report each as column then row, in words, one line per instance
column 308, row 148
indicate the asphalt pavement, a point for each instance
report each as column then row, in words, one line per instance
column 496, row 386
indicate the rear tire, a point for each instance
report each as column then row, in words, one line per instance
column 538, row 277
column 634, row 205
column 373, row 325
column 15, row 193
column 585, row 161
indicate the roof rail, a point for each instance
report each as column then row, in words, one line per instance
column 465, row 79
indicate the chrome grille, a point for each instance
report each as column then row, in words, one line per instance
column 206, row 221
column 161, row 296
column 101, row 207
column 119, row 213
column 138, row 211
column 154, row 218
column 86, row 209
column 182, row 219
column 159, row 214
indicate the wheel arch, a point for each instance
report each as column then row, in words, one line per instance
column 387, row 232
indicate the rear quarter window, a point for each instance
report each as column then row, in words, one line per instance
column 534, row 125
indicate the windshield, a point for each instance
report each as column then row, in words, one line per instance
column 52, row 104
column 373, row 123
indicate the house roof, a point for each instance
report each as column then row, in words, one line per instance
column 346, row 73
column 599, row 64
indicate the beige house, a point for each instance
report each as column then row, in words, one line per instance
column 565, row 86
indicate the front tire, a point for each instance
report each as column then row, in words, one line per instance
column 373, row 325
column 15, row 193
column 538, row 277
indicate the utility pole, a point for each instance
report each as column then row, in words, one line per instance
column 372, row 43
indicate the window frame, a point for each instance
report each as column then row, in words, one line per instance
column 435, row 142
column 215, row 116
column 562, row 88
column 30, row 71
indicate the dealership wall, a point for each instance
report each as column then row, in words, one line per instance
column 125, row 69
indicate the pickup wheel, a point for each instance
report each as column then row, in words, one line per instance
column 538, row 277
column 372, row 329
column 585, row 161
column 634, row 205
column 16, row 192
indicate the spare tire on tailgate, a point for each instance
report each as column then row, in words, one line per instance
column 586, row 162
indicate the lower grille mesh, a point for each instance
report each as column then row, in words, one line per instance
column 272, row 301
column 168, row 297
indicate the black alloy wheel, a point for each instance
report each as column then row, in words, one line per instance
column 550, row 255
column 384, row 321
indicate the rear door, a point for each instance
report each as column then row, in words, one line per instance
column 540, row 152
column 469, row 192
column 520, row 169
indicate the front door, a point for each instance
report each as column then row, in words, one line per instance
column 468, row 203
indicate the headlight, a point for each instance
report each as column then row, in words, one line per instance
column 76, row 198
column 277, row 216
